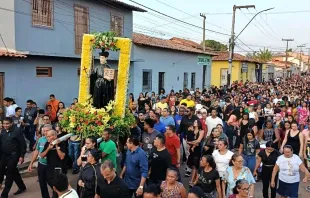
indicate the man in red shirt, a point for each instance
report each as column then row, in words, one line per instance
column 173, row 145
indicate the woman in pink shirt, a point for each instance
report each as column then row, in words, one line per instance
column 303, row 115
column 233, row 127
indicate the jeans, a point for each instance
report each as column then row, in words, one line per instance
column 74, row 153
column 29, row 133
column 266, row 178
column 8, row 165
column 230, row 134
column 249, row 161
column 42, row 174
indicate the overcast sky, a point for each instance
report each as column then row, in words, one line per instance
column 266, row 30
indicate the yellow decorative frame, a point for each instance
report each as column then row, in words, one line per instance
column 124, row 44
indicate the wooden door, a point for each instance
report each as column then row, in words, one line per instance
column 1, row 95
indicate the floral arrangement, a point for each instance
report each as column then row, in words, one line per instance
column 104, row 41
column 85, row 120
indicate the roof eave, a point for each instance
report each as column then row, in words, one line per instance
column 206, row 53
column 123, row 5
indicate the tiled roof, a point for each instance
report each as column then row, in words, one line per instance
column 11, row 54
column 224, row 56
column 174, row 44
column 120, row 4
column 189, row 43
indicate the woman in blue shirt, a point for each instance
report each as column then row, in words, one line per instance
column 237, row 171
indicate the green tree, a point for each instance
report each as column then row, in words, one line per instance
column 264, row 55
column 251, row 55
column 217, row 46
column 289, row 50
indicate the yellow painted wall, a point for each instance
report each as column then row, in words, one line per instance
column 216, row 68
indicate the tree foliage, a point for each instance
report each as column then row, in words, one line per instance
column 217, row 46
column 263, row 55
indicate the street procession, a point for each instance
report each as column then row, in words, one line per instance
column 154, row 99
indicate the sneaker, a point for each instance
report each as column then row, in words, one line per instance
column 187, row 174
column 308, row 188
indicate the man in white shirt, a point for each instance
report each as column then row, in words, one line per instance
column 10, row 110
column 212, row 121
column 61, row 186
column 278, row 99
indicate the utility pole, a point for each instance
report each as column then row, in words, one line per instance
column 204, row 67
column 286, row 55
column 204, row 31
column 232, row 40
column 300, row 54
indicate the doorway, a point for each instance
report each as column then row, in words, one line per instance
column 1, row 95
column 161, row 81
column 224, row 77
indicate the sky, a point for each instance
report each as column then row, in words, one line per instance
column 288, row 20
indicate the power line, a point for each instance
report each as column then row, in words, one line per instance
column 269, row 26
column 191, row 15
column 256, row 25
column 284, row 12
column 265, row 28
column 178, row 19
column 4, row 43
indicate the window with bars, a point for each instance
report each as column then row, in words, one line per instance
column 193, row 80
column 44, row 71
column 42, row 13
column 81, row 24
column 185, row 80
column 117, row 24
column 146, row 80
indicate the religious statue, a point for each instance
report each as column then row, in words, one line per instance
column 102, row 82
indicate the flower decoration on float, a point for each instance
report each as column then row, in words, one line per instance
column 86, row 121
column 105, row 41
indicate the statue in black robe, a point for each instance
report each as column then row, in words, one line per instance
column 101, row 89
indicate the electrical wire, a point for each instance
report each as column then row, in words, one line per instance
column 269, row 26
column 257, row 26
column 283, row 12
column 4, row 43
column 191, row 15
column 178, row 19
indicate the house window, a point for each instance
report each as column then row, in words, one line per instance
column 146, row 80
column 42, row 13
column 193, row 80
column 161, row 81
column 44, row 71
column 81, row 24
column 185, row 80
column 117, row 24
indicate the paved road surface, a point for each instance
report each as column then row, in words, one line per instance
column 33, row 190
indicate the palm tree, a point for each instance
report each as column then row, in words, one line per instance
column 264, row 55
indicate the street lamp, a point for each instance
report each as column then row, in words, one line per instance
column 233, row 38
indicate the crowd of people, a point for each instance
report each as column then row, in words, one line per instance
column 226, row 138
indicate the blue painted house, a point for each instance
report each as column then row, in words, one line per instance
column 49, row 33
column 168, row 63
column 40, row 54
